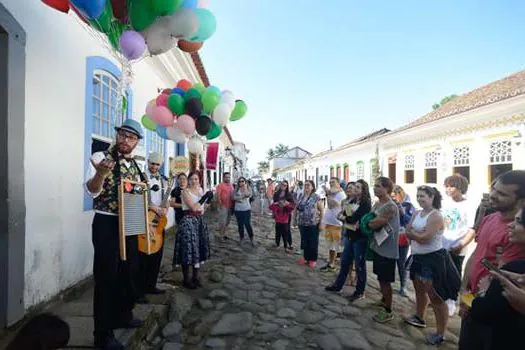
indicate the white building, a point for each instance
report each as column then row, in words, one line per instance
column 57, row 106
column 286, row 159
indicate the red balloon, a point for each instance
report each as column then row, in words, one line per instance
column 184, row 84
column 59, row 5
column 120, row 9
column 188, row 46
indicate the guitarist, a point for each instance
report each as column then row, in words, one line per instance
column 149, row 265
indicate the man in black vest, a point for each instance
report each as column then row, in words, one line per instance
column 115, row 295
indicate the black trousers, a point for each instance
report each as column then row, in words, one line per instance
column 149, row 267
column 283, row 230
column 115, row 291
column 458, row 262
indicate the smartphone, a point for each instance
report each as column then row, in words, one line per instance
column 490, row 266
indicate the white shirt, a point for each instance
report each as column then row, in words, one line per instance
column 459, row 218
column 155, row 196
column 330, row 215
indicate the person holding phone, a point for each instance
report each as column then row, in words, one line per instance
column 497, row 318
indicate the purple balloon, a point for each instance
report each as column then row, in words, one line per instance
column 132, row 45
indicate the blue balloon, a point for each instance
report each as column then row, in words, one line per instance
column 90, row 8
column 162, row 132
column 207, row 25
column 178, row 91
column 215, row 89
column 189, row 4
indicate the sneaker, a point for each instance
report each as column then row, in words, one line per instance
column 416, row 321
column 435, row 339
column 451, row 304
column 332, row 288
column 288, row 250
column 355, row 297
column 299, row 252
column 402, row 292
column 301, row 261
column 377, row 304
column 325, row 267
column 383, row 316
column 312, row 264
column 328, row 268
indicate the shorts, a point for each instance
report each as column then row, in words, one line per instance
column 384, row 268
column 332, row 236
column 225, row 216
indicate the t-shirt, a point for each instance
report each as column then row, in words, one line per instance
column 330, row 215
column 225, row 195
column 389, row 248
column 459, row 218
column 492, row 236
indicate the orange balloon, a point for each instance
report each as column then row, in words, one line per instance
column 184, row 84
column 188, row 46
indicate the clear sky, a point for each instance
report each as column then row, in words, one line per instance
column 314, row 71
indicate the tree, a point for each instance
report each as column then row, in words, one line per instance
column 281, row 149
column 443, row 101
column 270, row 153
column 263, row 166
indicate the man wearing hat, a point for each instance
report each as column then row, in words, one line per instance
column 114, row 296
column 149, row 265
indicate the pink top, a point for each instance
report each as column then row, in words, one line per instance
column 225, row 195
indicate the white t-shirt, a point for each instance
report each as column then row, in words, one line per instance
column 330, row 215
column 459, row 218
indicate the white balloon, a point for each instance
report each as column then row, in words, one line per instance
column 195, row 146
column 176, row 134
column 184, row 23
column 227, row 97
column 158, row 36
column 221, row 114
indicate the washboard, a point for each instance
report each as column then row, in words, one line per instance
column 133, row 212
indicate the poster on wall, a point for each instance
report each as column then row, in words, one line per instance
column 179, row 165
column 212, row 155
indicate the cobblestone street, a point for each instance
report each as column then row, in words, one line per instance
column 260, row 298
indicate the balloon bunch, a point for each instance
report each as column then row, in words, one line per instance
column 132, row 26
column 184, row 112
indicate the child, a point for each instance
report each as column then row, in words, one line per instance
column 281, row 212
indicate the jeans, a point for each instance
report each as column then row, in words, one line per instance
column 401, row 262
column 310, row 241
column 244, row 221
column 354, row 250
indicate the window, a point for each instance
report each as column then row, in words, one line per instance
column 346, row 171
column 338, row 172
column 431, row 167
column 462, row 161
column 374, row 170
column 332, row 171
column 360, row 169
column 409, row 168
column 155, row 142
column 500, row 158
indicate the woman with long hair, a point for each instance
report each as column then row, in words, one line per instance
column 355, row 241
column 431, row 269
column 284, row 204
column 192, row 244
column 176, row 197
column 309, row 212
column 243, row 209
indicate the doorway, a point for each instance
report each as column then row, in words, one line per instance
column 12, row 197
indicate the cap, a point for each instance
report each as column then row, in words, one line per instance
column 155, row 157
column 131, row 126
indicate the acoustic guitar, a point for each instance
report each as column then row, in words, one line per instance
column 157, row 224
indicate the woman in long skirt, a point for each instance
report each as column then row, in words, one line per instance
column 192, row 243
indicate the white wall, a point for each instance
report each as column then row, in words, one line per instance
column 58, row 231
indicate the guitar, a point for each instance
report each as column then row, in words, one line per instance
column 157, row 224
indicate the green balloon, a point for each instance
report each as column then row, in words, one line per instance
column 115, row 33
column 199, row 87
column 176, row 104
column 165, row 7
column 104, row 22
column 214, row 132
column 140, row 14
column 148, row 123
column 210, row 100
column 239, row 111
column 192, row 93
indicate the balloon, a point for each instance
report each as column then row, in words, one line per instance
column 120, row 10
column 176, row 134
column 79, row 14
column 227, row 97
column 90, row 8
column 114, row 35
column 184, row 23
column 162, row 116
column 149, row 107
column 186, row 124
column 158, row 37
column 162, row 132
column 178, row 91
column 210, row 100
column 207, row 25
column 176, row 104
column 194, row 107
column 166, row 92
column 214, row 89
column 189, row 46
column 165, row 7
column 215, row 131
column 202, row 3
column 239, row 111
column 59, row 5
column 189, row 4
column 192, row 93
column 195, row 146
column 140, row 14
column 184, row 84
column 103, row 23
column 162, row 100
column 203, row 125
column 132, row 45
column 200, row 87
column 148, row 123
column 221, row 114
